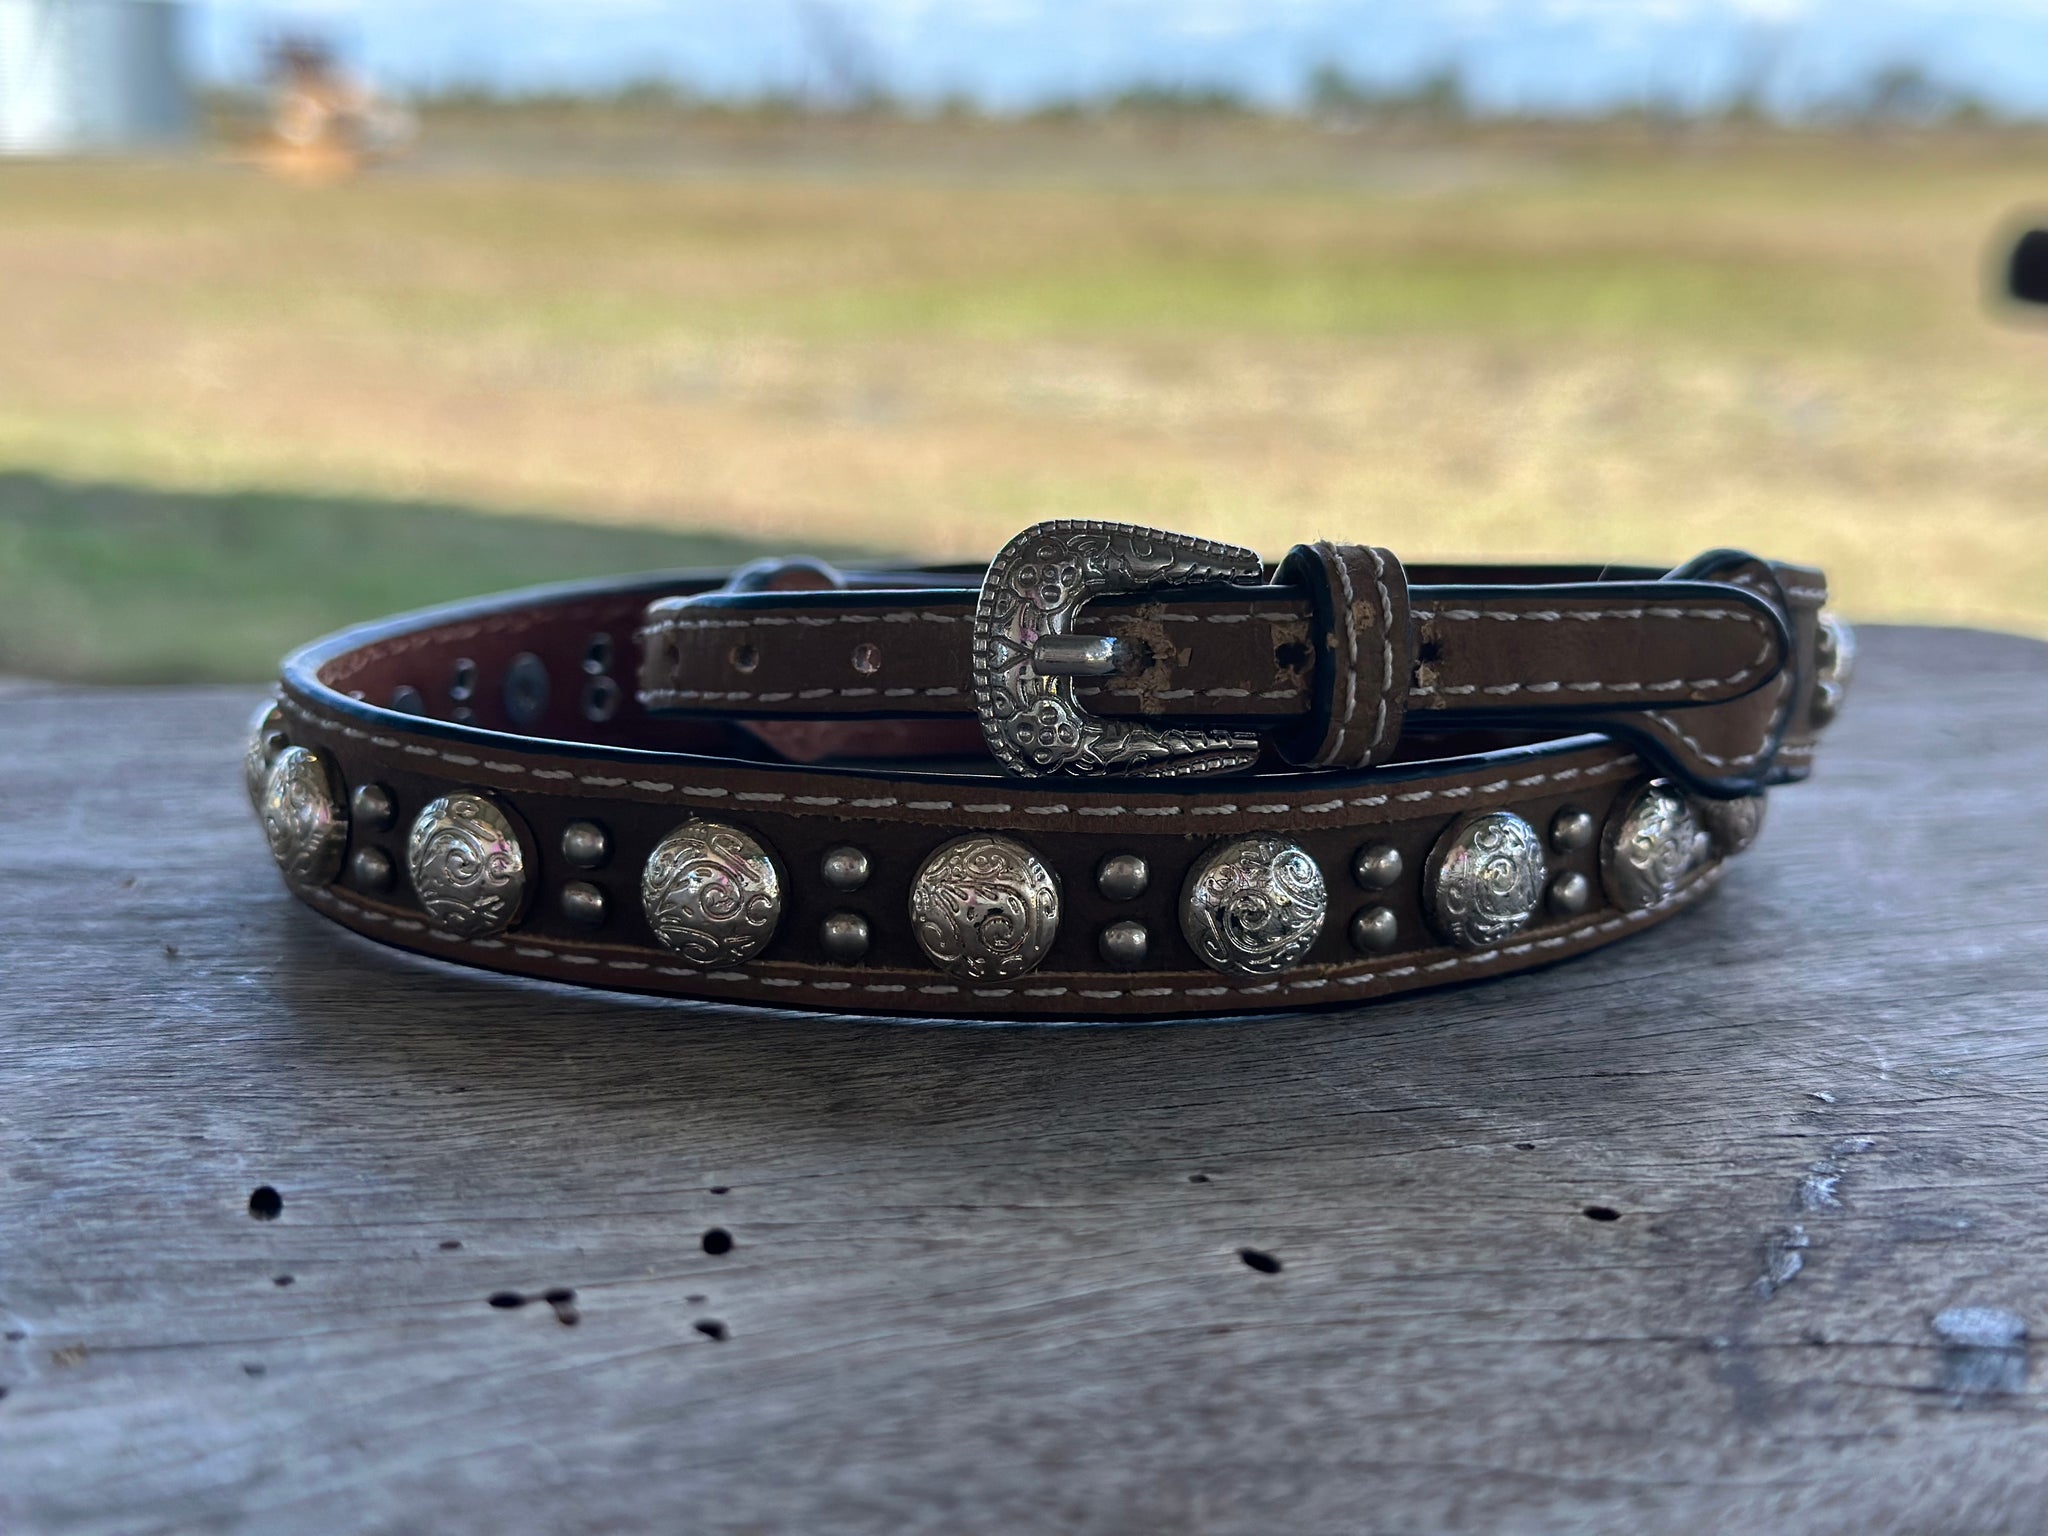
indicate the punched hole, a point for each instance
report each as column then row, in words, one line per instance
column 1602, row 1213
column 717, row 1241
column 597, row 654
column 712, row 1328
column 463, row 686
column 744, row 658
column 265, row 1203
column 1291, row 657
column 867, row 657
column 505, row 1301
column 1264, row 1263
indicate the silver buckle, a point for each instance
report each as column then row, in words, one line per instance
column 1026, row 658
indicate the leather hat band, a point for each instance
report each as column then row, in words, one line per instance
column 543, row 784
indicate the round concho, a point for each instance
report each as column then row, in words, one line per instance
column 466, row 865
column 712, row 894
column 1253, row 907
column 985, row 908
column 303, row 817
column 266, row 740
column 1732, row 824
column 1486, row 879
column 1653, row 842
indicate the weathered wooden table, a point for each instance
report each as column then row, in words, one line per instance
column 1735, row 1226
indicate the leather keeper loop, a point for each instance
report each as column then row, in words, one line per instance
column 1363, row 653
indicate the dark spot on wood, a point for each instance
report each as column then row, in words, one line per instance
column 1525, row 1146
column 711, row 1328
column 1198, row 1178
column 696, row 1301
column 254, row 1368
column 451, row 1243
column 170, row 951
column 265, row 1203
column 16, row 1335
column 1601, row 1213
column 563, row 1300
column 280, row 1281
column 506, row 1300
column 3, row 1392
column 1264, row 1263
column 721, row 1189
column 70, row 1354
column 717, row 1241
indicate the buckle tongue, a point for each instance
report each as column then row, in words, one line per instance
column 1026, row 659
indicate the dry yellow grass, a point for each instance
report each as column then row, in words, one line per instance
column 1623, row 352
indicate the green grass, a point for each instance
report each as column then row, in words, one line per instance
column 116, row 584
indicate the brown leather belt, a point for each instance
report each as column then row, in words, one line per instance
column 1119, row 773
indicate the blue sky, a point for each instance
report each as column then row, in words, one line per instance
column 1550, row 54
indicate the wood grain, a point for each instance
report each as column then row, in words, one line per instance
column 992, row 1280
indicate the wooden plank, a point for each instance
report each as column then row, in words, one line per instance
column 991, row 1279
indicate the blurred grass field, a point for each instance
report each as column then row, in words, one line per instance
column 235, row 412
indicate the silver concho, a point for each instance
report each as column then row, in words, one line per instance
column 1253, row 907
column 303, row 817
column 266, row 740
column 466, row 865
column 1034, row 588
column 712, row 894
column 1652, row 843
column 1836, row 656
column 1732, row 824
column 1486, row 879
column 985, row 907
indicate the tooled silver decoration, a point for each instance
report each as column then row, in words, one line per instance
column 466, row 865
column 266, row 740
column 1652, row 845
column 1254, row 907
column 985, row 907
column 1034, row 589
column 712, row 894
column 1488, row 880
column 303, row 818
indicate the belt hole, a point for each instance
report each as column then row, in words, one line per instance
column 744, row 658
column 867, row 657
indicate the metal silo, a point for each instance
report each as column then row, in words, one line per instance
column 84, row 75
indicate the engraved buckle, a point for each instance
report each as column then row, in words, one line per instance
column 1026, row 657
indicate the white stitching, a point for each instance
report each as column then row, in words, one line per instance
column 1553, row 616
column 1057, row 808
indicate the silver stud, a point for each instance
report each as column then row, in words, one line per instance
column 586, row 845
column 1122, row 877
column 466, row 865
column 302, row 815
column 1485, row 880
column 1653, row 841
column 1375, row 930
column 1123, row 944
column 844, row 936
column 583, row 904
column 1571, row 829
column 985, row 907
column 266, row 740
column 712, row 893
column 372, row 808
column 369, row 869
column 1376, row 866
column 844, row 869
column 1835, row 655
column 1732, row 824
column 1570, row 894
column 1253, row 907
